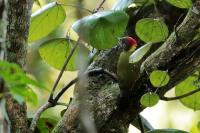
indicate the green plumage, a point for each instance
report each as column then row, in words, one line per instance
column 126, row 71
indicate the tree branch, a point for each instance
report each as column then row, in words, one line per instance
column 38, row 114
column 181, row 96
column 62, row 70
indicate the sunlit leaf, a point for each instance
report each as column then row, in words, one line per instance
column 151, row 30
column 159, row 78
column 149, row 99
column 140, row 53
column 186, row 86
column 54, row 52
column 181, row 3
column 166, row 131
column 46, row 20
column 122, row 4
column 22, row 93
column 62, row 112
column 102, row 29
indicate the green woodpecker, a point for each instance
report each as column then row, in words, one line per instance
column 125, row 70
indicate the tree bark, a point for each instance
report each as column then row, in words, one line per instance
column 18, row 14
column 98, row 97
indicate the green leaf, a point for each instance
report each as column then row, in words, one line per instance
column 159, row 78
column 46, row 125
column 151, row 30
column 1, row 95
column 149, row 99
column 18, row 83
column 54, row 52
column 139, row 53
column 46, row 20
column 21, row 93
column 186, row 86
column 166, row 131
column 146, row 124
column 181, row 3
column 102, row 29
column 122, row 4
column 14, row 75
column 198, row 125
column 62, row 112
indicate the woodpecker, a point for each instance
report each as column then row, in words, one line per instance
column 125, row 70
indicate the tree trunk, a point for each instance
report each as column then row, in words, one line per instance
column 18, row 14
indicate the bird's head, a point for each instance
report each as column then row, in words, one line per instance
column 130, row 43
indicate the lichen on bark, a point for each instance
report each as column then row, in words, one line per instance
column 18, row 17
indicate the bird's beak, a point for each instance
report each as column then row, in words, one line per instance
column 133, row 47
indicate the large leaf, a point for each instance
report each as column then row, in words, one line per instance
column 149, row 99
column 186, row 86
column 159, row 78
column 166, row 131
column 181, row 3
column 46, row 20
column 139, row 53
column 55, row 51
column 122, row 4
column 146, row 124
column 151, row 30
column 102, row 29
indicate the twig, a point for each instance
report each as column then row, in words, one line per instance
column 68, row 58
column 38, row 114
column 76, row 6
column 65, row 88
column 99, row 7
column 87, row 73
column 62, row 70
column 140, row 124
column 181, row 96
column 52, row 102
column 62, row 104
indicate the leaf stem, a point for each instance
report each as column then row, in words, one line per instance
column 181, row 96
column 62, row 70
column 76, row 6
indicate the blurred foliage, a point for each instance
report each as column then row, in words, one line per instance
column 19, row 83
